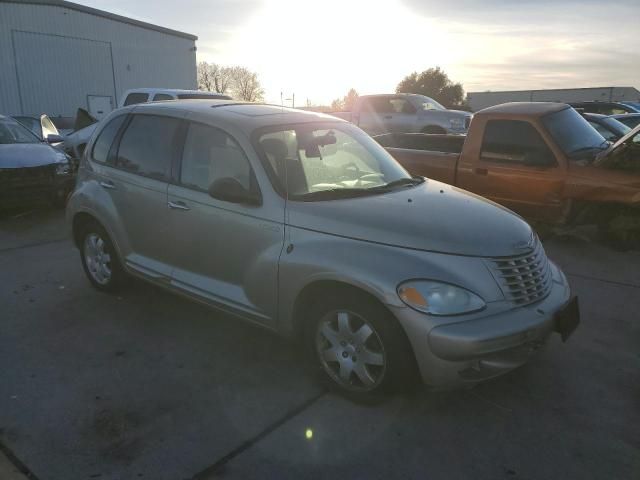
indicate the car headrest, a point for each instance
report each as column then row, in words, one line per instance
column 275, row 147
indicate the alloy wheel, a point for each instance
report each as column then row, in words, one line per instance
column 351, row 351
column 96, row 257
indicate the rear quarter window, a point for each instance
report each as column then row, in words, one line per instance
column 102, row 146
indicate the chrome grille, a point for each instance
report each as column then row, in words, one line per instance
column 524, row 278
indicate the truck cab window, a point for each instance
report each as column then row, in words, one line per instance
column 134, row 98
column 512, row 141
column 402, row 105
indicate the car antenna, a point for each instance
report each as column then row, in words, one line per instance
column 286, row 186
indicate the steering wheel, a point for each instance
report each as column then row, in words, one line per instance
column 352, row 166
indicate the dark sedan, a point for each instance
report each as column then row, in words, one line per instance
column 31, row 170
column 631, row 120
column 607, row 126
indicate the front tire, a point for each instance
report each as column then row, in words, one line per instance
column 100, row 260
column 358, row 348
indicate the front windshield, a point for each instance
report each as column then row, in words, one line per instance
column 330, row 161
column 429, row 103
column 31, row 123
column 573, row 134
column 12, row 132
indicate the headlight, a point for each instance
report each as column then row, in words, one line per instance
column 63, row 169
column 437, row 298
column 456, row 122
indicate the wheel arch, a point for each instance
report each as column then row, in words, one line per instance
column 328, row 287
column 436, row 129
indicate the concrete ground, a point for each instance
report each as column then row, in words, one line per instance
column 148, row 385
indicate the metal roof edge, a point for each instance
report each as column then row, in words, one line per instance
column 102, row 13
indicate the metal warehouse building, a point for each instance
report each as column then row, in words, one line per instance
column 479, row 100
column 57, row 56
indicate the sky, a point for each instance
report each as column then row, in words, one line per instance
column 318, row 50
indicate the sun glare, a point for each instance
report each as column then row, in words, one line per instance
column 320, row 50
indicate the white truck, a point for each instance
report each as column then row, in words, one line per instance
column 75, row 142
column 405, row 113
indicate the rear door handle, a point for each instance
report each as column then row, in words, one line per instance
column 482, row 171
column 178, row 205
column 108, row 185
column 388, row 117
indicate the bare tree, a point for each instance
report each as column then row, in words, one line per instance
column 245, row 85
column 214, row 78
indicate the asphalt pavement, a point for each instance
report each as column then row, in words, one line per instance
column 148, row 385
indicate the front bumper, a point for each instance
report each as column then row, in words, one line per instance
column 454, row 352
column 26, row 186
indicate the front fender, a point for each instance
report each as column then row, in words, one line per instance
column 373, row 268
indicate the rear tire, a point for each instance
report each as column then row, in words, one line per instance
column 99, row 258
column 357, row 347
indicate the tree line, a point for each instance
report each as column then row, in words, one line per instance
column 238, row 82
column 243, row 84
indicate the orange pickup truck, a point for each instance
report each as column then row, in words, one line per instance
column 542, row 160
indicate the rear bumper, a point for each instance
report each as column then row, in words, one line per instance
column 457, row 353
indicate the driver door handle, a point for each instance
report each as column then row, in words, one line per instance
column 178, row 205
column 108, row 185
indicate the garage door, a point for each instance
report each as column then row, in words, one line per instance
column 56, row 73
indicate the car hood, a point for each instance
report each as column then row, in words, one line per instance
column 432, row 216
column 26, row 155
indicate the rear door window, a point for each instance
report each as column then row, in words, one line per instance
column 148, row 146
column 511, row 141
column 134, row 98
column 105, row 139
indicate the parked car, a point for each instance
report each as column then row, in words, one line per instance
column 631, row 120
column 403, row 112
column 535, row 158
column 607, row 126
column 301, row 223
column 606, row 108
column 634, row 105
column 31, row 170
column 75, row 143
column 143, row 95
column 41, row 126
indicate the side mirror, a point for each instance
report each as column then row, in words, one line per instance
column 539, row 159
column 229, row 189
column 53, row 138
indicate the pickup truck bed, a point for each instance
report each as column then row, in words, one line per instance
column 433, row 156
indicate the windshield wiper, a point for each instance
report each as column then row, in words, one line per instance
column 401, row 182
column 335, row 193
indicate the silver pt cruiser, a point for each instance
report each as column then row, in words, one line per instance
column 301, row 223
